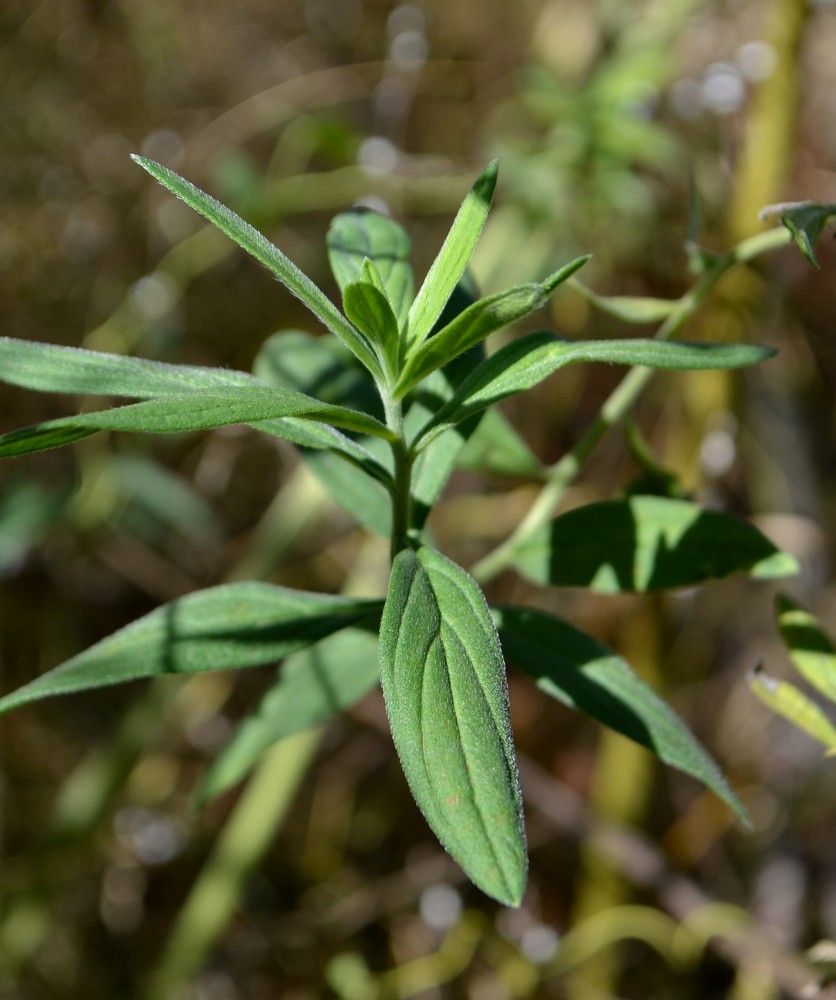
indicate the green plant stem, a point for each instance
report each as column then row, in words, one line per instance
column 401, row 487
column 619, row 403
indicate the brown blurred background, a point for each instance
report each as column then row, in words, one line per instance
column 603, row 115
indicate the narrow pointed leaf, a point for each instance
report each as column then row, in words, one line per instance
column 296, row 282
column 52, row 368
column 791, row 703
column 369, row 310
column 453, row 258
column 646, row 543
column 526, row 362
column 198, row 410
column 810, row 649
column 311, row 687
column 446, row 694
column 360, row 234
column 630, row 308
column 474, row 324
column 582, row 673
column 223, row 628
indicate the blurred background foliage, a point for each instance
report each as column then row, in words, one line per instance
column 324, row 882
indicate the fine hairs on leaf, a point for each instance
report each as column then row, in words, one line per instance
column 383, row 412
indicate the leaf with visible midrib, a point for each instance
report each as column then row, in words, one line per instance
column 446, row 694
column 222, row 628
column 581, row 672
column 251, row 240
column 202, row 409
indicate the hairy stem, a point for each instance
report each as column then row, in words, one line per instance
column 619, row 403
column 401, row 488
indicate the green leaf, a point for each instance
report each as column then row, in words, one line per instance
column 317, row 366
column 582, row 673
column 223, row 628
column 810, row 649
column 446, row 694
column 526, row 362
column 369, row 310
column 254, row 243
column 198, row 410
column 630, row 308
column 496, row 448
column 321, row 366
column 51, row 368
column 453, row 258
column 311, row 686
column 787, row 700
column 806, row 222
column 360, row 234
column 647, row 543
column 477, row 322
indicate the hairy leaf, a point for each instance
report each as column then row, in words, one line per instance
column 296, row 282
column 453, row 257
column 581, row 672
column 446, row 694
column 359, row 234
column 527, row 361
column 311, row 686
column 198, row 410
column 223, row 628
column 477, row 322
column 810, row 649
column 647, row 543
column 52, row 368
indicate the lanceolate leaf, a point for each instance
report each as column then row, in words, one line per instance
column 477, row 322
column 51, row 368
column 790, row 702
column 296, row 282
column 810, row 649
column 311, row 686
column 529, row 360
column 446, row 694
column 647, row 543
column 198, row 410
column 223, row 628
column 453, row 258
column 359, row 234
column 583, row 673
